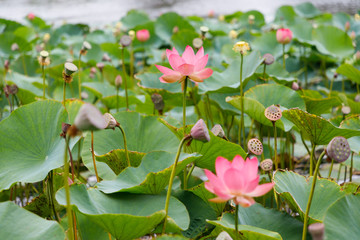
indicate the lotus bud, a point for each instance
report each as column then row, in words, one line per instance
column 233, row 34
column 158, row 101
column 338, row 149
column 284, row 35
column 197, row 43
column 143, row 35
column 118, row 81
column 241, row 47
column 92, row 70
column 14, row 47
column 273, row 113
column 295, row 86
column 6, row 65
column 200, row 131
column 353, row 35
column 218, row 131
column 204, row 30
column 345, row 110
column 64, row 128
column 211, row 14
column 347, row 26
column 125, row 41
column 266, row 165
column 84, row 95
column 317, row 231
column 132, row 34
column 106, row 58
column 89, row 118
column 255, row 146
column 221, row 18
column 357, row 98
column 251, row 19
column 268, row 59
column 69, row 69
column 224, row 236
column 46, row 37
column 175, row 29
column 111, row 122
column 31, row 16
column 100, row 66
column 357, row 55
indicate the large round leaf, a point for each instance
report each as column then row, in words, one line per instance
column 295, row 189
column 18, row 224
column 352, row 122
column 350, row 72
column 143, row 133
column 151, row 177
column 124, row 215
column 343, row 215
column 30, row 142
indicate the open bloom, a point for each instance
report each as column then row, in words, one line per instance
column 237, row 180
column 143, row 35
column 284, row 35
column 188, row 65
column 241, row 47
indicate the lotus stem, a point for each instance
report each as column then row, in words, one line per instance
column 93, row 156
column 125, row 78
column 264, row 72
column 131, row 63
column 184, row 125
column 237, row 218
column 71, row 164
column 311, row 196
column 283, row 48
column 125, row 145
column 117, row 99
column 351, row 166
column 67, row 192
column 43, row 75
column 312, row 159
column 241, row 126
column 275, row 147
column 171, row 182
column 331, row 167
column 209, row 107
column 339, row 171
column 23, row 63
column 345, row 173
column 79, row 77
column 64, row 94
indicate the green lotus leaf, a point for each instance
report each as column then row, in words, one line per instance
column 134, row 18
column 320, row 106
column 151, row 177
column 18, row 224
column 307, row 10
column 352, row 122
column 285, row 14
column 267, row 43
column 124, row 215
column 350, row 72
column 295, row 189
column 276, row 72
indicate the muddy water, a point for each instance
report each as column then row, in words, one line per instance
column 98, row 12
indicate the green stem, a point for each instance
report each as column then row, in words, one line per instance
column 312, row 159
column 237, row 218
column 351, row 166
column 64, row 94
column 117, row 99
column 125, row 145
column 268, row 138
column 331, row 167
column 345, row 173
column 131, row 63
column 275, row 147
column 311, row 195
column 24, row 65
column 209, row 107
column 171, row 182
column 241, row 126
column 283, row 48
column 79, row 77
column 67, row 192
column 264, row 72
column 339, row 171
column 184, row 104
column 52, row 195
column 125, row 80
column 331, row 86
column 93, row 156
column 43, row 75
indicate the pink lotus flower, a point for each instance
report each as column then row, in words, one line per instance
column 143, row 35
column 31, row 16
column 237, row 180
column 188, row 65
column 284, row 35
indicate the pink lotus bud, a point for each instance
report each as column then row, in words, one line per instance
column 211, row 13
column 106, row 58
column 6, row 64
column 200, row 131
column 118, row 81
column 125, row 40
column 353, row 35
column 93, row 70
column 338, row 149
column 266, row 165
column 317, row 231
column 31, row 16
column 100, row 66
column 295, row 86
column 347, row 26
column 143, row 35
column 255, row 146
column 14, row 47
column 283, row 35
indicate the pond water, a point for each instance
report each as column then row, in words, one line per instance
column 97, row 12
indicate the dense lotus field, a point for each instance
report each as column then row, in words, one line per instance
column 217, row 127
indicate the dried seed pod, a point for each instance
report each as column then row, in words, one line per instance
column 338, row 149
column 197, row 43
column 125, row 40
column 266, row 165
column 268, row 59
column 86, row 46
column 200, row 131
column 273, row 113
column 255, row 146
column 158, row 101
column 218, row 131
column 110, row 121
column 317, row 231
column 64, row 128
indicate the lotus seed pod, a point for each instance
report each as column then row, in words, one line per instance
column 86, row 46
column 204, row 30
column 100, row 66
column 338, row 149
column 251, row 19
column 197, row 42
column 241, row 47
column 89, row 118
column 44, row 54
column 106, row 58
column 132, row 34
column 84, row 95
column 200, row 131
column 125, row 40
column 224, row 236
column 268, row 59
column 317, row 231
column 266, row 165
column 158, row 101
column 273, row 113
column 14, row 47
column 111, row 122
column 255, row 146
column 218, row 131
column 295, row 86
column 345, row 110
column 70, row 68
column 118, row 81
